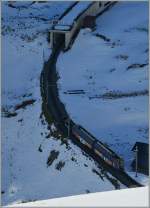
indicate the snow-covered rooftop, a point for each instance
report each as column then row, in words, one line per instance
column 62, row 27
column 67, row 20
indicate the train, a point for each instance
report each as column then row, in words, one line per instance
column 99, row 148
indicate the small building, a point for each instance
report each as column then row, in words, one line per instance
column 141, row 158
column 80, row 13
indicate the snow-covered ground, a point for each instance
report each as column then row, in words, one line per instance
column 140, row 177
column 134, row 197
column 110, row 65
column 26, row 144
column 69, row 18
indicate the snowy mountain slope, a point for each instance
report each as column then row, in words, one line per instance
column 110, row 65
column 35, row 165
column 24, row 26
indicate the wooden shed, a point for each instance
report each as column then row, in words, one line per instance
column 141, row 157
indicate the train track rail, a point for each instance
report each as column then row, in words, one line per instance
column 55, row 107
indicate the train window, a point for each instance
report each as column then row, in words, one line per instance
column 82, row 141
column 87, row 134
column 100, row 4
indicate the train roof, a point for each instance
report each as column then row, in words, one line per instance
column 101, row 143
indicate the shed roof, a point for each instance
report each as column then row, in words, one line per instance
column 141, row 147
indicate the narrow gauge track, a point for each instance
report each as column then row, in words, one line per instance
column 55, row 108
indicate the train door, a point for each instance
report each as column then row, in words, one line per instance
column 116, row 164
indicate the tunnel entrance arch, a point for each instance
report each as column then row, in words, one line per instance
column 58, row 39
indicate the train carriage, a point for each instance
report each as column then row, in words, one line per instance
column 98, row 147
column 80, row 134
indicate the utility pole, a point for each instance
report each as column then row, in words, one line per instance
column 43, row 57
column 68, row 128
column 136, row 160
column 47, row 92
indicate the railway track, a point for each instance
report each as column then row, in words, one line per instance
column 55, row 108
